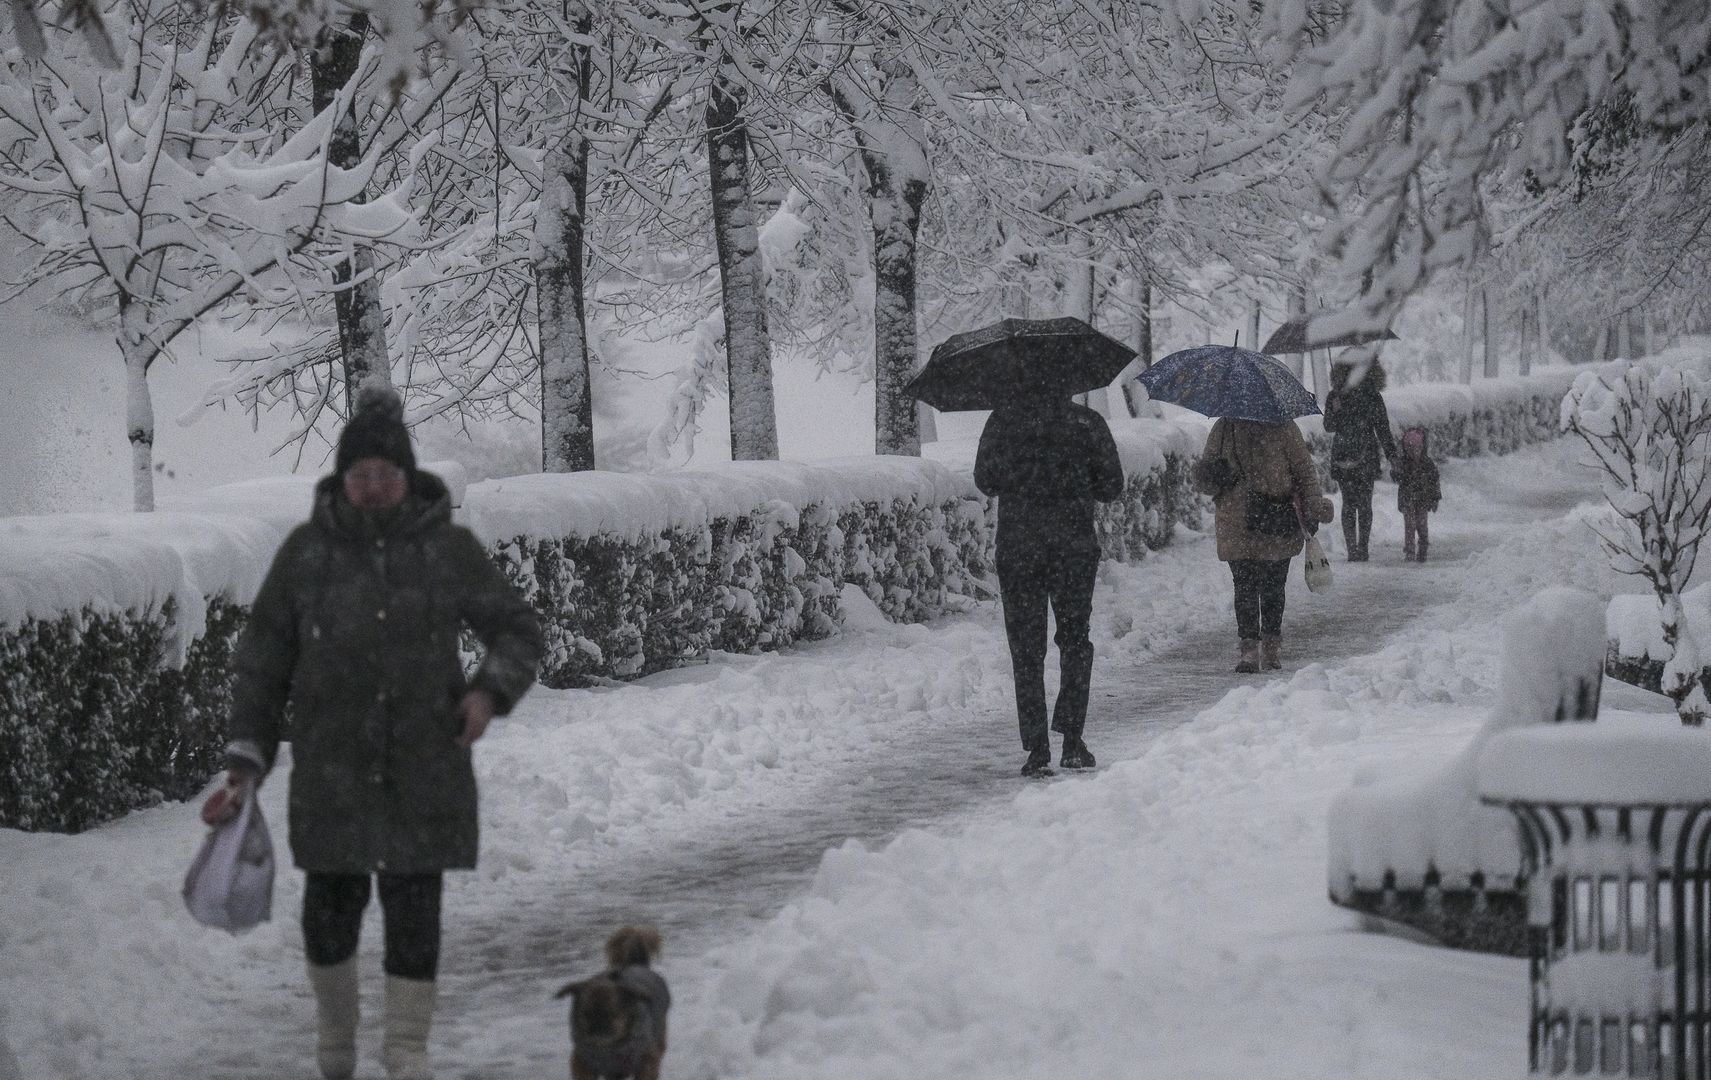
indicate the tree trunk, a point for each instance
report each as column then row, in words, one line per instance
column 138, row 355
column 1525, row 341
column 1490, row 345
column 1253, row 325
column 1540, row 326
column 361, row 317
column 742, row 277
column 1625, row 336
column 1298, row 310
column 1467, row 334
column 567, row 403
column 1143, row 338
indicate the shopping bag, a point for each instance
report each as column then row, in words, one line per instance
column 230, row 883
column 1318, row 567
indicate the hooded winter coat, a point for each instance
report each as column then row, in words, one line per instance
column 1417, row 485
column 1271, row 459
column 1359, row 425
column 356, row 629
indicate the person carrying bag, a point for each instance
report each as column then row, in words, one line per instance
column 230, row 883
column 1258, row 475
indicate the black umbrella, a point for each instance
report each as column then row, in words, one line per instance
column 1294, row 336
column 1015, row 359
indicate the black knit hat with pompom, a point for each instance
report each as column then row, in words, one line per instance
column 376, row 429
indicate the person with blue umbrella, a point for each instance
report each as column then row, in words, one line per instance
column 1259, row 472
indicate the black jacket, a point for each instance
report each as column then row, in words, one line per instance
column 1360, row 428
column 356, row 627
column 1047, row 463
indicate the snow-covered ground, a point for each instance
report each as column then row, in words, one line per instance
column 1164, row 917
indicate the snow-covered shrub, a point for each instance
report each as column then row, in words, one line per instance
column 1634, row 625
column 1493, row 416
column 94, row 720
column 1424, row 850
column 1647, row 425
column 1153, row 503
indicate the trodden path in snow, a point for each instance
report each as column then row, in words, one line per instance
column 500, row 965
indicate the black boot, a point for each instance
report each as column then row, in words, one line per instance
column 1076, row 755
column 1039, row 761
column 1351, row 540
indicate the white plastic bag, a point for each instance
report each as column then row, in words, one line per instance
column 230, row 884
column 1318, row 567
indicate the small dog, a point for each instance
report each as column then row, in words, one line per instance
column 617, row 1018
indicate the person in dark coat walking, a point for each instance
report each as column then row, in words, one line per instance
column 1360, row 428
column 356, row 628
column 1417, row 491
column 1047, row 461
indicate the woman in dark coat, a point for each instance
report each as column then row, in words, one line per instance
column 1047, row 462
column 1360, row 429
column 356, row 628
column 1263, row 466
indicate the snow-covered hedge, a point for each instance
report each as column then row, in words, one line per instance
column 1423, row 850
column 114, row 628
column 1633, row 627
column 634, row 573
column 1492, row 416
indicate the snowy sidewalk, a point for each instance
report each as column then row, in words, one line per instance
column 1164, row 917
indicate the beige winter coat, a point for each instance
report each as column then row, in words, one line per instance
column 1271, row 458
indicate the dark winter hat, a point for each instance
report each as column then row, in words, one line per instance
column 376, row 429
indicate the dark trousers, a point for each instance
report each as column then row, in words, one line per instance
column 409, row 904
column 1414, row 531
column 1357, row 511
column 1030, row 577
column 1259, row 596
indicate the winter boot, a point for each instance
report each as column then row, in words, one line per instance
column 1271, row 649
column 1248, row 662
column 1351, row 540
column 1420, row 552
column 1076, row 755
column 1365, row 536
column 1408, row 548
column 336, row 1018
column 409, row 1014
column 1039, row 761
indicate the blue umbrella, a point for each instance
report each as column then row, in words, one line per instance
column 1223, row 380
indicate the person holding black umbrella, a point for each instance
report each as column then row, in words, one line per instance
column 1360, row 428
column 1047, row 460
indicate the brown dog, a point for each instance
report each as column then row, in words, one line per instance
column 617, row 1018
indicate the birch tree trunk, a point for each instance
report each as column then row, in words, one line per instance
column 1485, row 332
column 567, row 403
column 891, row 133
column 361, row 317
column 138, row 355
column 1142, row 337
column 1540, row 326
column 1467, row 334
column 1525, row 343
column 1298, row 362
column 1253, row 325
column 742, row 278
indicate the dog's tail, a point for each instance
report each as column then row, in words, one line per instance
column 632, row 945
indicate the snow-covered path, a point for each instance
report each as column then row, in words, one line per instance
column 705, row 800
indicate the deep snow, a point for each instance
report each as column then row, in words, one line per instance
column 1163, row 917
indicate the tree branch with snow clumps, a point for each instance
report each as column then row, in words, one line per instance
column 1648, row 427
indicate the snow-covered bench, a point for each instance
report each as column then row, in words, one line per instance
column 1423, row 851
